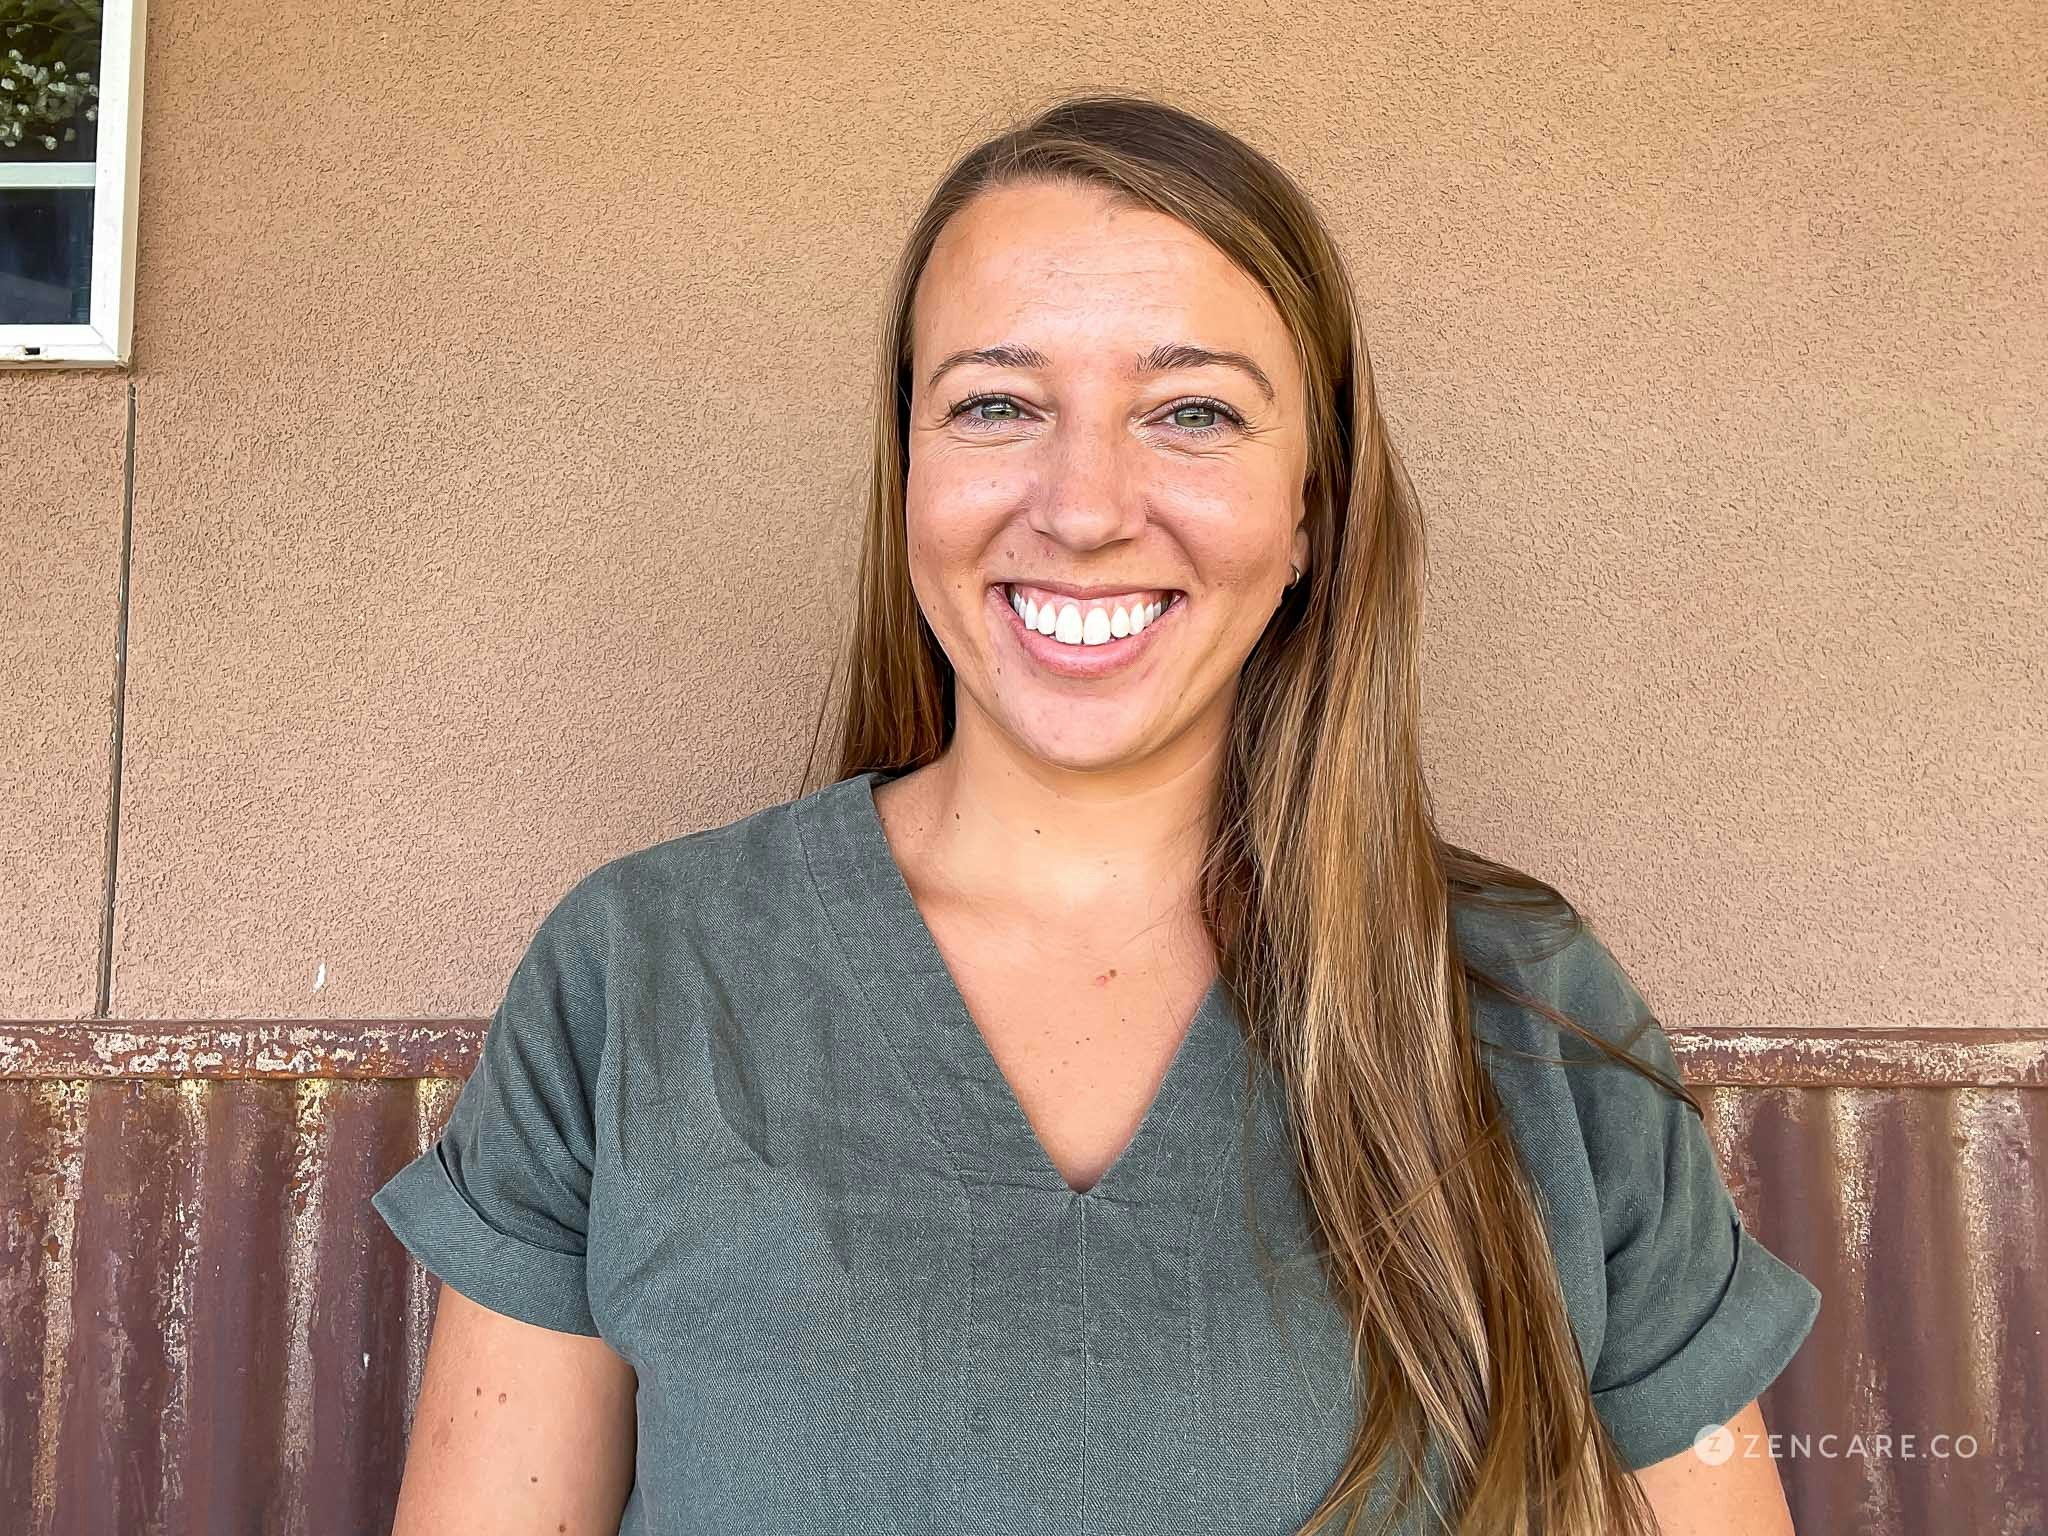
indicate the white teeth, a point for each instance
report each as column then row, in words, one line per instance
column 1066, row 622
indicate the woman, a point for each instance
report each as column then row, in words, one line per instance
column 1071, row 1116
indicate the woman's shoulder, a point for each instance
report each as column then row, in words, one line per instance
column 1540, row 944
column 694, row 881
column 1682, row 1314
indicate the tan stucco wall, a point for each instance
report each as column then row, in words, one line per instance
column 501, row 388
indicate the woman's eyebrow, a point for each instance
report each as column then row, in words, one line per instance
column 1161, row 359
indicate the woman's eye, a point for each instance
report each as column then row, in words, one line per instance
column 1207, row 408
column 974, row 402
column 968, row 411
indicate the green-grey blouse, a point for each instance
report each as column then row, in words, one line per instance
column 733, row 1116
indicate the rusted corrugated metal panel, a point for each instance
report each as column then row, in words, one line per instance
column 1919, row 1214
column 204, row 1326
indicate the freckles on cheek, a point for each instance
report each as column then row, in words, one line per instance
column 1240, row 569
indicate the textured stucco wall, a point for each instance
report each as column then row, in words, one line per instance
column 501, row 381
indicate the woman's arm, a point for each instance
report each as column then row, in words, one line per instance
column 519, row 1431
column 1741, row 1496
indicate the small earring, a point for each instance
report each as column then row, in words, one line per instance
column 1297, row 573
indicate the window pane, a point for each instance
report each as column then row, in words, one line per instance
column 49, row 117
column 45, row 255
column 49, row 80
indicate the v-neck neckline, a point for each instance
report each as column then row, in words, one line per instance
column 919, row 1004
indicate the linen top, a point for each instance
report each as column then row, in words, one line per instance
column 734, row 1117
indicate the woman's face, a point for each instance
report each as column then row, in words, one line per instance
column 1098, row 493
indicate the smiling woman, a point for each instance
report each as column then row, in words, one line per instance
column 895, row 1139
column 1113, row 324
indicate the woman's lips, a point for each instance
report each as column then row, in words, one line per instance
column 1081, row 661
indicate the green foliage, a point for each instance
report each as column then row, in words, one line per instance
column 51, row 53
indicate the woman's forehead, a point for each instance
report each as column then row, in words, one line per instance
column 1059, row 271
column 1064, row 238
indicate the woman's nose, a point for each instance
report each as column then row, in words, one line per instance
column 1091, row 489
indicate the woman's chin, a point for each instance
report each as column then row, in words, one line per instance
column 1072, row 744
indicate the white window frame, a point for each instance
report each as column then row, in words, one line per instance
column 104, row 340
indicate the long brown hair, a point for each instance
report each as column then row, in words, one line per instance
column 1326, row 888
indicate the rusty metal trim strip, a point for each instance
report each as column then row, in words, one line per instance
column 1786, row 1056
column 241, row 1048
column 1954, row 1057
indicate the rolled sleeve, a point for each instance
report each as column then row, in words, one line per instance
column 1700, row 1317
column 499, row 1206
column 430, row 1215
column 1763, row 1313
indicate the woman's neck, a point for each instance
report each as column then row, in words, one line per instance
column 1057, row 846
